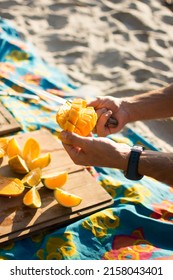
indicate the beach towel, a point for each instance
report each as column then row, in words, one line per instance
column 139, row 224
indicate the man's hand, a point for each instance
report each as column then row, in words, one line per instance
column 105, row 108
column 90, row 151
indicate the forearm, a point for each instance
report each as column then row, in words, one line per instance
column 157, row 165
column 156, row 104
column 103, row 152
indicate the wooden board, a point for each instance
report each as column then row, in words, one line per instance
column 18, row 221
column 8, row 123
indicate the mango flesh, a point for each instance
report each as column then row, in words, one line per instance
column 77, row 117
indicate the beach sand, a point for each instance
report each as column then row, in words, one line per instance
column 117, row 47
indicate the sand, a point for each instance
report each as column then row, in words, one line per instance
column 119, row 47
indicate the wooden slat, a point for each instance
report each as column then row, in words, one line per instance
column 8, row 123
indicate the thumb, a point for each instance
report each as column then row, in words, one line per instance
column 70, row 138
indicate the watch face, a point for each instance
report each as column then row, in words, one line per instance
column 137, row 148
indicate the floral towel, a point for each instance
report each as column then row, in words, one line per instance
column 138, row 226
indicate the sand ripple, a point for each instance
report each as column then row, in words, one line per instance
column 120, row 47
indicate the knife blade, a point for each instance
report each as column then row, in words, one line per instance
column 52, row 99
column 18, row 95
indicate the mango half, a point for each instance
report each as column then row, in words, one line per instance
column 77, row 117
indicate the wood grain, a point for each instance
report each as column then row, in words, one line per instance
column 18, row 221
column 8, row 123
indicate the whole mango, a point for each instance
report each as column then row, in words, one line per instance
column 77, row 117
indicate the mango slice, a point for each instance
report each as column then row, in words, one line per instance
column 66, row 199
column 54, row 181
column 77, row 117
column 10, row 186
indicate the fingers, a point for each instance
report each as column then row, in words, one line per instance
column 75, row 146
column 103, row 116
column 72, row 139
column 73, row 152
column 95, row 102
column 100, row 112
column 102, row 129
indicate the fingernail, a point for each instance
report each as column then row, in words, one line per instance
column 109, row 113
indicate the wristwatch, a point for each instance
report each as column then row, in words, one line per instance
column 132, row 168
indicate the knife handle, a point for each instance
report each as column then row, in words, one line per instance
column 111, row 122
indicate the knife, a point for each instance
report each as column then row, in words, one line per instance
column 111, row 122
column 18, row 95
column 51, row 99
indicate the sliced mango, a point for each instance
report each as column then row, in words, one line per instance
column 77, row 117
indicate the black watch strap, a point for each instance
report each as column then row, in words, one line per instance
column 132, row 168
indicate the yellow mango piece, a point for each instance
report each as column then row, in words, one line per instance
column 10, row 186
column 74, row 115
column 66, row 199
column 79, row 102
column 18, row 165
column 69, row 126
column 32, row 198
column 56, row 180
column 63, row 114
column 77, row 117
